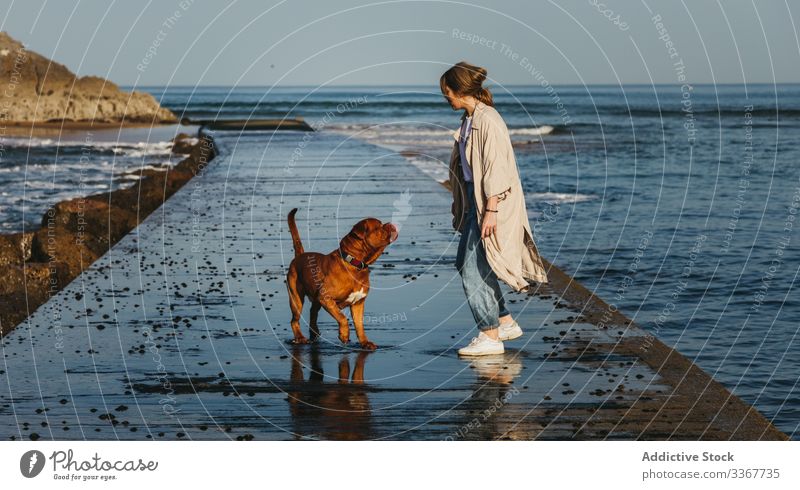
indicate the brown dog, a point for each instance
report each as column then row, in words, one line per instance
column 336, row 280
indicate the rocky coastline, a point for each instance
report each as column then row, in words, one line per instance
column 34, row 265
column 40, row 97
column 35, row 90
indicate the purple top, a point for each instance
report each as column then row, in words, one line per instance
column 466, row 128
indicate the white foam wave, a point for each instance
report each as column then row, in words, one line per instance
column 47, row 185
column 540, row 131
column 435, row 169
column 391, row 133
column 559, row 198
column 140, row 149
column 153, row 166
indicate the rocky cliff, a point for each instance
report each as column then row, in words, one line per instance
column 35, row 89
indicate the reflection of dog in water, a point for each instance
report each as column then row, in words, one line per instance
column 322, row 410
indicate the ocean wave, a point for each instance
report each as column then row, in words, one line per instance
column 50, row 185
column 721, row 112
column 139, row 149
column 538, row 131
column 432, row 167
column 162, row 165
column 376, row 130
column 46, row 170
column 397, row 136
column 559, row 197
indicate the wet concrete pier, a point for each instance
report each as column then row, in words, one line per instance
column 182, row 330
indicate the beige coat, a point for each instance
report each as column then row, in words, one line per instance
column 511, row 251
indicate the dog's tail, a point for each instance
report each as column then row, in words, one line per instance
column 298, row 245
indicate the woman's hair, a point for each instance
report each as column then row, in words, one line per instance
column 466, row 79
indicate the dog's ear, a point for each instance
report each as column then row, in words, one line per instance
column 359, row 231
column 355, row 240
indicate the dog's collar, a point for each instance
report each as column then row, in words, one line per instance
column 352, row 260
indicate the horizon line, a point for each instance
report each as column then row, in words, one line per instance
column 514, row 85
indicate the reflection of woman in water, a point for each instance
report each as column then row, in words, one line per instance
column 492, row 410
column 342, row 413
column 488, row 209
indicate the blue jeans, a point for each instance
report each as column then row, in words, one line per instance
column 479, row 280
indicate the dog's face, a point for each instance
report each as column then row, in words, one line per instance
column 368, row 238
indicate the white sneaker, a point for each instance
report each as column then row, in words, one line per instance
column 482, row 345
column 509, row 331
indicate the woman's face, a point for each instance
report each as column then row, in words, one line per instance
column 456, row 102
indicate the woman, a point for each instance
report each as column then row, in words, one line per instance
column 489, row 211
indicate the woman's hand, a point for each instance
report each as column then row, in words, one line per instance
column 489, row 222
column 489, row 225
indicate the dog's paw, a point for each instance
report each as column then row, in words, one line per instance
column 368, row 345
column 300, row 340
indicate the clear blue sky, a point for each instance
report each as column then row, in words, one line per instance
column 251, row 42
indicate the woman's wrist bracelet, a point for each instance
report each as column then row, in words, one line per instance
column 491, row 210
